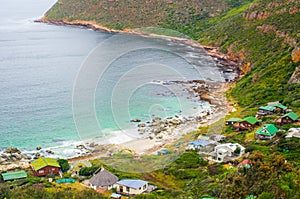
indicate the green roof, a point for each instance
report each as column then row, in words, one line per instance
column 267, row 130
column 252, row 120
column 233, row 119
column 267, row 108
column 280, row 106
column 293, row 116
column 14, row 175
column 43, row 162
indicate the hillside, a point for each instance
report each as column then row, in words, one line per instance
column 265, row 34
column 135, row 14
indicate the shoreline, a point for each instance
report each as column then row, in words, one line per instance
column 129, row 141
column 224, row 59
column 215, row 95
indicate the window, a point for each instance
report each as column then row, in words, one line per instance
column 53, row 169
column 127, row 189
column 145, row 186
column 41, row 171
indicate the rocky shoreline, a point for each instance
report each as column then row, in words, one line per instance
column 229, row 61
column 157, row 132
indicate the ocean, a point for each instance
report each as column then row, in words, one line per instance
column 62, row 84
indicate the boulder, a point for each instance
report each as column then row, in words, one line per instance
column 142, row 125
column 12, row 150
column 136, row 120
column 38, row 148
column 49, row 151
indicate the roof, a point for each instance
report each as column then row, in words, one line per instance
column 267, row 108
column 200, row 143
column 293, row 132
column 14, row 175
column 103, row 178
column 233, row 119
column 135, row 184
column 115, row 195
column 244, row 163
column 252, row 120
column 280, row 106
column 43, row 162
column 230, row 145
column 267, row 129
column 293, row 116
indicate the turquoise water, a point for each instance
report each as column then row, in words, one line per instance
column 54, row 86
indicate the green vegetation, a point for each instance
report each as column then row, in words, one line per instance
column 64, row 165
column 87, row 171
column 261, row 34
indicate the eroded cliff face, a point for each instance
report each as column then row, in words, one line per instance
column 258, row 11
column 295, row 79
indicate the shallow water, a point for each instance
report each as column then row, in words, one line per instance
column 53, row 77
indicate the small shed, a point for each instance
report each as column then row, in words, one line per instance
column 232, row 121
column 10, row 176
column 244, row 163
column 267, row 132
column 116, row 196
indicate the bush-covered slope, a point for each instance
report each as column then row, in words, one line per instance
column 263, row 33
column 135, row 14
column 266, row 33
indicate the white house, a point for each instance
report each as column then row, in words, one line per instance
column 293, row 132
column 131, row 187
column 228, row 151
column 103, row 179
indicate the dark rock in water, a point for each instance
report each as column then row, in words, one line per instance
column 37, row 155
column 142, row 125
column 92, row 144
column 12, row 150
column 81, row 146
column 49, row 151
column 136, row 120
column 38, row 148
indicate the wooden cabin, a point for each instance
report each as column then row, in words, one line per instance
column 45, row 166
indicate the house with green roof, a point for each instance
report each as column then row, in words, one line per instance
column 267, row 132
column 45, row 166
column 266, row 110
column 280, row 108
column 10, row 176
column 247, row 123
column 289, row 118
column 232, row 121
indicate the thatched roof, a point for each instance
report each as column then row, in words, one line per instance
column 103, row 178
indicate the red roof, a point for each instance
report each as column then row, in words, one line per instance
column 245, row 162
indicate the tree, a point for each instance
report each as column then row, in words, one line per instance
column 87, row 171
column 64, row 165
column 237, row 151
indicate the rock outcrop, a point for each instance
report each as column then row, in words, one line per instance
column 295, row 79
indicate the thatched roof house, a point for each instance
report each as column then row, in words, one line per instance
column 103, row 179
